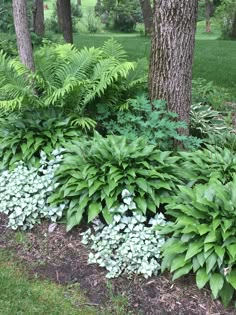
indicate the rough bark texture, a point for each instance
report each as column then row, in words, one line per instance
column 22, row 33
column 38, row 17
column 172, row 51
column 64, row 19
column 147, row 16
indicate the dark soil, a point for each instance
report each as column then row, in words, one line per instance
column 61, row 257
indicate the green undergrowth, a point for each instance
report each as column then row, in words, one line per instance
column 20, row 295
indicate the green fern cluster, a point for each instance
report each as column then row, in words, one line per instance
column 68, row 77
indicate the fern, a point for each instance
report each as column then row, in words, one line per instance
column 74, row 79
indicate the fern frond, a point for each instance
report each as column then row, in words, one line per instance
column 139, row 74
column 112, row 48
column 85, row 123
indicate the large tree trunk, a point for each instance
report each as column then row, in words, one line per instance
column 172, row 52
column 147, row 16
column 64, row 19
column 38, row 17
column 22, row 33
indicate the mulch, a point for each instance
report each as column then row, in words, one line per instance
column 61, row 257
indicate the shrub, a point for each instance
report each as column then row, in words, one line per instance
column 127, row 245
column 145, row 119
column 24, row 192
column 226, row 15
column 202, row 237
column 24, row 136
column 93, row 22
column 226, row 139
column 9, row 47
column 94, row 173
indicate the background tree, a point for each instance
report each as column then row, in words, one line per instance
column 38, row 17
column 147, row 15
column 172, row 54
column 64, row 19
column 209, row 9
column 22, row 33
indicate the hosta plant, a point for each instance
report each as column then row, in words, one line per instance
column 23, row 136
column 200, row 165
column 202, row 237
column 24, row 192
column 204, row 120
column 94, row 173
column 129, row 244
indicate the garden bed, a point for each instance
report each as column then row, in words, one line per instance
column 61, row 257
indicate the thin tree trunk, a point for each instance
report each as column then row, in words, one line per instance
column 79, row 2
column 172, row 51
column 38, row 17
column 147, row 16
column 209, row 5
column 22, row 33
column 64, row 19
column 233, row 35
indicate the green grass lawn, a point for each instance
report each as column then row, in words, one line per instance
column 21, row 296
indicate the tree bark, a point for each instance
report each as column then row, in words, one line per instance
column 172, row 52
column 147, row 16
column 22, row 33
column 210, row 8
column 233, row 35
column 64, row 19
column 38, row 17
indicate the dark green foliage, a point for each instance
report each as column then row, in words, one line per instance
column 201, row 165
column 123, row 15
column 209, row 94
column 6, row 17
column 24, row 135
column 9, row 47
column 95, row 172
column 225, row 139
column 141, row 118
column 202, row 237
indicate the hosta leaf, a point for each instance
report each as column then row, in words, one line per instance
column 142, row 183
column 182, row 271
column 211, row 262
column 201, row 278
column 211, row 237
column 93, row 210
column 141, row 204
column 177, row 263
column 231, row 278
column 194, row 249
column 226, row 294
column 232, row 250
column 216, row 283
column 220, row 251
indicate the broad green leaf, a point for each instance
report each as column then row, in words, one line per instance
column 142, row 183
column 177, row 263
column 232, row 249
column 182, row 271
column 141, row 204
column 220, row 251
column 211, row 237
column 226, row 294
column 93, row 210
column 201, row 278
column 231, row 278
column 216, row 283
column 194, row 249
column 211, row 262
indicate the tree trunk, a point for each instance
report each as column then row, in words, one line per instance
column 233, row 35
column 172, row 51
column 38, row 17
column 22, row 33
column 147, row 16
column 208, row 13
column 64, row 19
column 79, row 2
